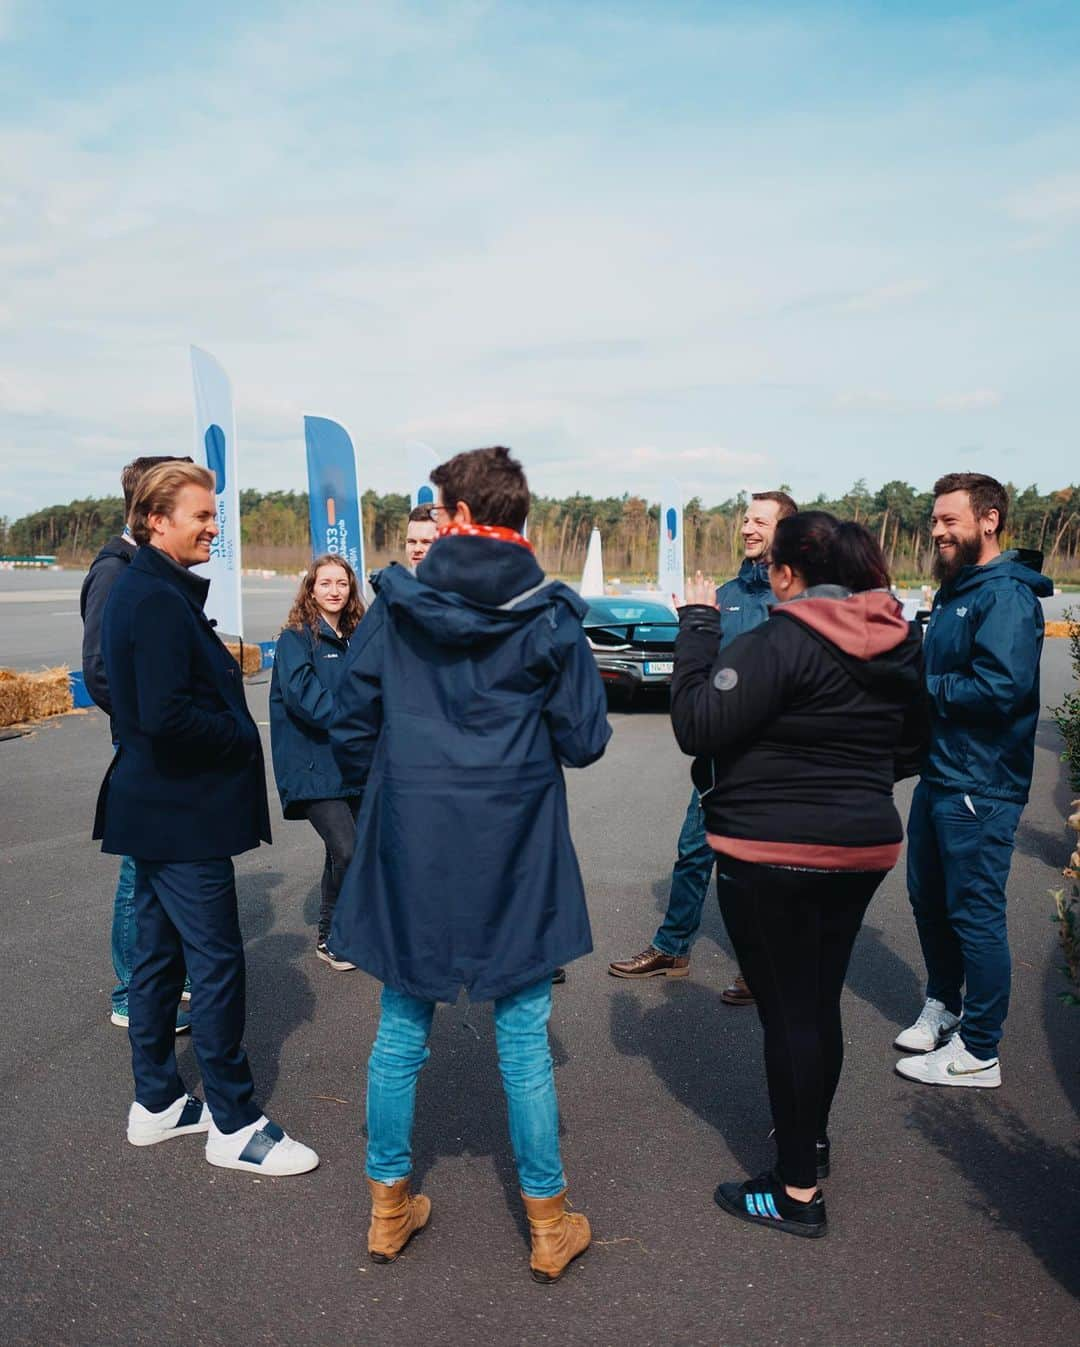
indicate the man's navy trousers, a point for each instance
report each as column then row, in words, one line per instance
column 959, row 851
column 186, row 914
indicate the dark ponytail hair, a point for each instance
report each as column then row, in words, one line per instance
column 825, row 550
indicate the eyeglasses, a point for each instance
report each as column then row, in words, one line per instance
column 434, row 513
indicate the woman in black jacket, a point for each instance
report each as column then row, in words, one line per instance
column 799, row 729
column 308, row 663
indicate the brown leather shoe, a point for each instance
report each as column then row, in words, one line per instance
column 651, row 963
column 738, row 994
column 396, row 1215
column 558, row 1235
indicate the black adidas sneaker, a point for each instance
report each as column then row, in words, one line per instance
column 763, row 1201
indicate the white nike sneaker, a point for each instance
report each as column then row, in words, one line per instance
column 262, row 1147
column 934, row 1025
column 952, row 1064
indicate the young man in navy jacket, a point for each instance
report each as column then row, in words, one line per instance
column 185, row 793
column 468, row 687
column 982, row 649
column 744, row 603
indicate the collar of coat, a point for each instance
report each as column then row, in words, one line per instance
column 754, row 574
column 496, row 531
column 194, row 587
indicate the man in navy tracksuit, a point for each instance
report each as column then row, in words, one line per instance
column 982, row 650
column 744, row 603
column 185, row 793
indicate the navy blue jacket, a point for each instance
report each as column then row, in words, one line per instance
column 983, row 643
column 105, row 569
column 307, row 669
column 468, row 686
column 187, row 782
column 744, row 601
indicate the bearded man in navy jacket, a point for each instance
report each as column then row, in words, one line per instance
column 982, row 649
column 185, row 793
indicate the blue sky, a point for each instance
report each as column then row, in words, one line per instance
column 739, row 244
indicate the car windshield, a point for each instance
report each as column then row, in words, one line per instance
column 629, row 612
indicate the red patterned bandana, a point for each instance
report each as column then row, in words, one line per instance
column 495, row 531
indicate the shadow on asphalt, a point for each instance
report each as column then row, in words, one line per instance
column 312, row 903
column 280, row 996
column 717, row 1074
column 1024, row 1184
column 882, row 979
column 1061, row 1025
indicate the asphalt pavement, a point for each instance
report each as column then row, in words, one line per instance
column 954, row 1215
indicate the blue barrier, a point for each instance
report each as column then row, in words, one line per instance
column 80, row 696
column 266, row 649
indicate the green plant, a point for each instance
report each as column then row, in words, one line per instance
column 1067, row 716
column 1067, row 916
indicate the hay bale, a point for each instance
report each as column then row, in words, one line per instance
column 34, row 696
column 252, row 660
column 12, row 698
column 1059, row 629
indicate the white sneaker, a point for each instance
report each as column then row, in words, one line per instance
column 262, row 1147
column 184, row 1115
column 933, row 1026
column 952, row 1064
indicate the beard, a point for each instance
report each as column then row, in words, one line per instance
column 965, row 553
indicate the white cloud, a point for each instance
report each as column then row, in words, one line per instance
column 884, row 296
column 979, row 399
column 870, row 400
column 1051, row 201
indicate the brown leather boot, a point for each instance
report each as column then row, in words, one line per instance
column 396, row 1215
column 558, row 1235
column 738, row 994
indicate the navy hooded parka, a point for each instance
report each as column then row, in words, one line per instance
column 466, row 689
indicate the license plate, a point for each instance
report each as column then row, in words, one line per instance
column 664, row 666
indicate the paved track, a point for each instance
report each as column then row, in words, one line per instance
column 955, row 1215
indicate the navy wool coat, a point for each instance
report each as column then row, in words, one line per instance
column 468, row 687
column 307, row 670
column 187, row 782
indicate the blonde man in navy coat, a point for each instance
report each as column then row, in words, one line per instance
column 184, row 794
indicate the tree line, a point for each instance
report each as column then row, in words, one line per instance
column 274, row 529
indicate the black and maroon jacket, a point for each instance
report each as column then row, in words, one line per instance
column 800, row 727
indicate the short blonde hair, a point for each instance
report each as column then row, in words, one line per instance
column 158, row 490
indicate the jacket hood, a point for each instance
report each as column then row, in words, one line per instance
column 468, row 590
column 866, row 631
column 1022, row 564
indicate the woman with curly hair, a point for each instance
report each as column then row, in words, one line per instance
column 308, row 662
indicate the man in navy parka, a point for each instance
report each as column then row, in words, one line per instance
column 982, row 650
column 467, row 688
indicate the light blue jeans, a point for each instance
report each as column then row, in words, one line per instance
column 123, row 935
column 521, row 1038
column 123, row 932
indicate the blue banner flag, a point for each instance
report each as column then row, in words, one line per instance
column 421, row 459
column 215, row 448
column 334, row 492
